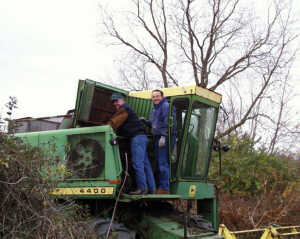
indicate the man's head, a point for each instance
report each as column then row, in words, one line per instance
column 117, row 100
column 157, row 96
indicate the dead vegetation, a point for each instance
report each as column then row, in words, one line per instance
column 26, row 209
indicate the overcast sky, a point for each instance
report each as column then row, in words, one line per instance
column 45, row 47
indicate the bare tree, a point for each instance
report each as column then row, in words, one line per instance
column 218, row 44
column 284, row 129
column 135, row 74
column 150, row 17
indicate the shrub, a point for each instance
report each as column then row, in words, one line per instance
column 256, row 188
column 27, row 210
column 247, row 170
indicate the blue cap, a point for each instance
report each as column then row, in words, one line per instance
column 116, row 96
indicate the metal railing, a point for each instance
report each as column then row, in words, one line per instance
column 271, row 232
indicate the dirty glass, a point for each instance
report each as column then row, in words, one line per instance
column 199, row 139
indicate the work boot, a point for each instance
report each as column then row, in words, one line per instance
column 151, row 191
column 139, row 192
column 162, row 191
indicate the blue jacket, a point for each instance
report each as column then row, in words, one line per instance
column 159, row 117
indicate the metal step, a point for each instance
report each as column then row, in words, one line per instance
column 129, row 198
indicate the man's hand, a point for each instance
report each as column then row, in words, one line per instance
column 162, row 141
column 142, row 119
column 145, row 122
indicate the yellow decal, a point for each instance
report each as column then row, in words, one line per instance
column 192, row 191
column 4, row 163
column 84, row 191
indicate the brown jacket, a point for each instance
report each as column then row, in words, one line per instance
column 118, row 118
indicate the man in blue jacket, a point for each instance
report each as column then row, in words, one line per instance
column 159, row 118
column 126, row 123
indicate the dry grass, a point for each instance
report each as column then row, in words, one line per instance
column 239, row 212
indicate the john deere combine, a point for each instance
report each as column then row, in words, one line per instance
column 97, row 168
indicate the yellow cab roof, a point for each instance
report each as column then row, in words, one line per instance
column 184, row 90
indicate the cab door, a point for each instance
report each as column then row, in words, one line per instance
column 178, row 115
column 196, row 151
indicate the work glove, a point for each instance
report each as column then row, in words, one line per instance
column 162, row 141
column 145, row 122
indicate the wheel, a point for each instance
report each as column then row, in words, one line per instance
column 117, row 230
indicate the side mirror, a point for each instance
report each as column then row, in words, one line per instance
column 225, row 147
column 217, row 147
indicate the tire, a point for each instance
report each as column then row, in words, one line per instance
column 117, row 231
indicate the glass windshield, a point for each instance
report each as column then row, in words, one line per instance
column 179, row 112
column 199, row 139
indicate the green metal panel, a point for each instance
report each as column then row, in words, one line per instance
column 107, row 87
column 130, row 198
column 84, row 109
column 142, row 107
column 162, row 228
column 78, row 100
column 113, row 167
column 59, row 145
column 170, row 227
column 53, row 145
column 206, row 101
column 193, row 190
column 209, row 209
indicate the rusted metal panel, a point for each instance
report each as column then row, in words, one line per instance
column 29, row 124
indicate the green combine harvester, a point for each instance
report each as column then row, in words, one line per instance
column 97, row 168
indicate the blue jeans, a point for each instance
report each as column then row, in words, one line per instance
column 162, row 162
column 141, row 165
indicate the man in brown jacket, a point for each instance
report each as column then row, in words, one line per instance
column 126, row 123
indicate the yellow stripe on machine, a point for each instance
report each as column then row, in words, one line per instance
column 84, row 191
column 185, row 90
